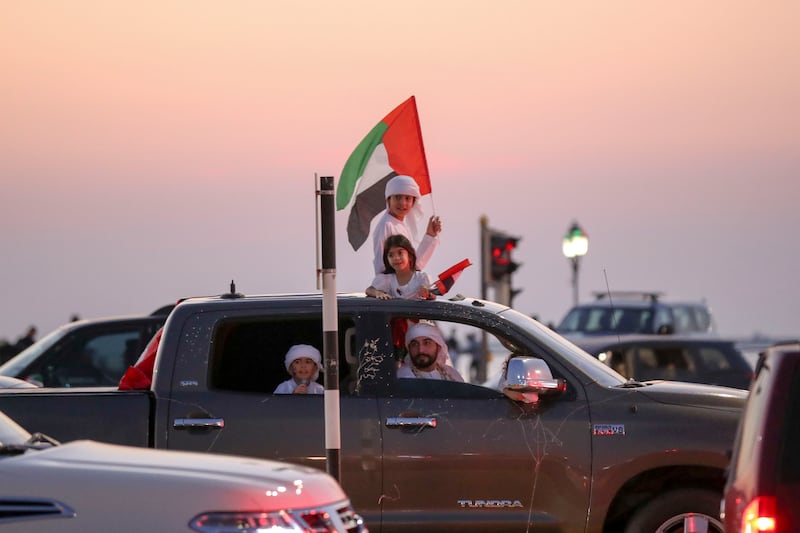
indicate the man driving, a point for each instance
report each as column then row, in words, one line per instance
column 427, row 355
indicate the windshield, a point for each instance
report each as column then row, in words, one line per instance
column 16, row 364
column 589, row 365
column 603, row 319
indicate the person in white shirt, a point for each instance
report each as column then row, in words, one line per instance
column 400, row 278
column 402, row 216
column 303, row 363
column 427, row 355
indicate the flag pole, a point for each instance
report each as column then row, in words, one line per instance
column 330, row 336
column 424, row 155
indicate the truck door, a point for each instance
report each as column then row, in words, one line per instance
column 464, row 457
column 223, row 401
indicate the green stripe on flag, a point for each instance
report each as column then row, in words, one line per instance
column 356, row 163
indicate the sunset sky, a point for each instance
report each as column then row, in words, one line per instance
column 157, row 150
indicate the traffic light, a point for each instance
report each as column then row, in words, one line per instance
column 500, row 248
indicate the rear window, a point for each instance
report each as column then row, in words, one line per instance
column 714, row 358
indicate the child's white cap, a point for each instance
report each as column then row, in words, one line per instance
column 406, row 185
column 402, row 185
column 304, row 350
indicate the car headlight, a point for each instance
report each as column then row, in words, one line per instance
column 245, row 522
column 317, row 520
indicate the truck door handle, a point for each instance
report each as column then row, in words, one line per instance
column 410, row 422
column 206, row 423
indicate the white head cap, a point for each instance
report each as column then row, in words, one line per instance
column 406, row 185
column 304, row 350
column 402, row 185
column 421, row 329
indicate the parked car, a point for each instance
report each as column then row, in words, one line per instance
column 763, row 484
column 91, row 486
column 635, row 312
column 673, row 357
column 86, row 353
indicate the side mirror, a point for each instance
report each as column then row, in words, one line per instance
column 529, row 378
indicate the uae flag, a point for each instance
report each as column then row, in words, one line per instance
column 448, row 278
column 393, row 147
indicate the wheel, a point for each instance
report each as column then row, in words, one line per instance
column 680, row 511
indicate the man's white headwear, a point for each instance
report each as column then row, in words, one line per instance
column 422, row 329
column 406, row 185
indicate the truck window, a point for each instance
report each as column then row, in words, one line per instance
column 466, row 351
column 248, row 353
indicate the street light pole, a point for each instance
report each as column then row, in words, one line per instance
column 575, row 245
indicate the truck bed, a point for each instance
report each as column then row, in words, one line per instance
column 103, row 414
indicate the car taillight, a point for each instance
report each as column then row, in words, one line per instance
column 759, row 515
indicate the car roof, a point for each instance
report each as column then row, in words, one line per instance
column 106, row 320
column 638, row 304
column 221, row 300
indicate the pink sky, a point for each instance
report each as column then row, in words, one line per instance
column 157, row 150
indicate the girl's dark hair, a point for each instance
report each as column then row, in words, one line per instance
column 402, row 242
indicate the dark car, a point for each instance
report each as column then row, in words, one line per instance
column 86, row 353
column 763, row 486
column 689, row 358
column 635, row 312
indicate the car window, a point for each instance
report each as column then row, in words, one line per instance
column 713, row 358
column 616, row 360
column 789, row 465
column 17, row 364
column 90, row 357
column 600, row 319
column 631, row 320
column 113, row 353
column 702, row 319
column 248, row 354
column 683, row 319
column 669, row 363
column 663, row 317
column 470, row 354
column 690, row 318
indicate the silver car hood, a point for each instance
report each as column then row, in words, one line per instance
column 161, row 489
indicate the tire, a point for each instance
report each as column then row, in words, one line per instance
column 679, row 511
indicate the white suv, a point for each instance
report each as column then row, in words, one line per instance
column 636, row 312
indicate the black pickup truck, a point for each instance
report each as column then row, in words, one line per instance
column 596, row 454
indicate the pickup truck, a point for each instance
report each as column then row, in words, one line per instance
column 598, row 453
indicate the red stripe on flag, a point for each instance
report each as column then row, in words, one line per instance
column 403, row 142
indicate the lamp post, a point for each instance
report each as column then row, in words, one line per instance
column 575, row 245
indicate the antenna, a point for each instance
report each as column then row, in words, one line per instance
column 611, row 304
